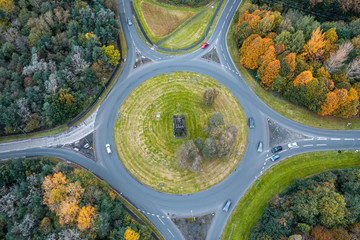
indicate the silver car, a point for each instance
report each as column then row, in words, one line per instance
column 227, row 206
column 260, row 147
column 108, row 149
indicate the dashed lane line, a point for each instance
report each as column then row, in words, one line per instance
column 335, row 139
column 321, row 145
column 321, row 138
column 160, row 220
column 309, row 145
column 349, row 139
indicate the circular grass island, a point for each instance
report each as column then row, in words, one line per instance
column 146, row 144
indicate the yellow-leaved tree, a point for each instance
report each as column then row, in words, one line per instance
column 315, row 47
column 131, row 234
column 7, row 6
column 303, row 78
column 271, row 71
column 112, row 53
column 86, row 216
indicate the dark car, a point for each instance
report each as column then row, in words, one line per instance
column 276, row 149
column 275, row 157
column 251, row 122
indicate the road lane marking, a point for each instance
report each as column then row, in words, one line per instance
column 160, row 220
column 171, row 233
column 309, row 145
column 148, row 213
column 321, row 145
column 349, row 139
column 322, row 138
column 335, row 139
column 153, row 214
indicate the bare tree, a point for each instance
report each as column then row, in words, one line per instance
column 209, row 96
column 79, row 64
column 353, row 69
column 24, row 110
column 188, row 156
column 51, row 85
column 337, row 59
column 24, row 228
column 225, row 141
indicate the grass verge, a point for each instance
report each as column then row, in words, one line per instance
column 284, row 107
column 146, row 145
column 275, row 180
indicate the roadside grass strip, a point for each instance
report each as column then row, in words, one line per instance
column 146, row 144
column 283, row 106
column 275, row 180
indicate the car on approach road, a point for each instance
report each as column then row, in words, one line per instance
column 251, row 122
column 274, row 157
column 293, row 145
column 129, row 21
column 205, row 45
column 260, row 147
column 276, row 149
column 227, row 206
column 108, row 149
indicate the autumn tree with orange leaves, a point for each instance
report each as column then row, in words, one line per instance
column 341, row 102
column 131, row 234
column 315, row 47
column 303, row 78
column 86, row 216
column 62, row 197
column 271, row 71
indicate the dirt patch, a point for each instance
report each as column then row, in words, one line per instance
column 279, row 134
column 195, row 228
column 212, row 56
column 163, row 21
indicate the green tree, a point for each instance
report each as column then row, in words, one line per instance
column 112, row 53
column 210, row 150
column 214, row 125
column 209, row 96
column 297, row 42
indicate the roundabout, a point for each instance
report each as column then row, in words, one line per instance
column 159, row 207
column 146, row 144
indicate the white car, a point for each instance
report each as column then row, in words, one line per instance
column 108, row 149
column 293, row 145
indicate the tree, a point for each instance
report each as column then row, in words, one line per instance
column 348, row 107
column 131, row 234
column 199, row 142
column 225, row 141
column 337, row 59
column 214, row 125
column 209, row 96
column 353, row 69
column 265, row 26
column 321, row 233
column 252, row 48
column 7, row 6
column 331, row 36
column 315, row 47
column 279, row 84
column 85, row 220
column 271, row 71
column 242, row 31
column 303, row 78
column 291, row 60
column 210, row 150
column 315, row 94
column 187, row 154
column 112, row 53
column 284, row 38
column 308, row 25
column 330, row 105
column 297, row 42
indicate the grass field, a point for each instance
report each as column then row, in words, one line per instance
column 146, row 145
column 163, row 21
column 174, row 27
column 275, row 180
column 283, row 106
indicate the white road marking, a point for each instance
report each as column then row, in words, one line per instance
column 358, row 138
column 321, row 145
column 309, row 145
column 160, row 220
column 349, row 139
column 335, row 139
column 163, row 216
column 322, row 138
column 171, row 233
column 283, row 150
column 153, row 214
column 148, row 213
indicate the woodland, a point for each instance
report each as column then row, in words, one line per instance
column 325, row 206
column 46, row 199
column 192, row 3
column 55, row 58
column 312, row 63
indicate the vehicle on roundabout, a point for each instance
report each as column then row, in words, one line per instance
column 227, row 206
column 108, row 149
column 129, row 21
column 293, row 145
column 276, row 149
column 274, row 157
column 251, row 122
column 205, row 45
column 260, row 147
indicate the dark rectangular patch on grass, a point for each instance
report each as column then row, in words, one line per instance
column 179, row 126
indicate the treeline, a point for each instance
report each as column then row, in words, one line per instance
column 43, row 200
column 55, row 57
column 192, row 3
column 313, row 64
column 323, row 207
column 329, row 10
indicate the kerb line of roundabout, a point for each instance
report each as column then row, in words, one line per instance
column 158, row 207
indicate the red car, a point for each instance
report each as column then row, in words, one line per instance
column 205, row 45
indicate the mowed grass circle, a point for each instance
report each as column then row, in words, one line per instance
column 146, row 145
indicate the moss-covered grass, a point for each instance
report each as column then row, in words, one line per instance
column 283, row 106
column 146, row 145
column 275, row 180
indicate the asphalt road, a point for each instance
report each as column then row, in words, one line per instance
column 158, row 207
